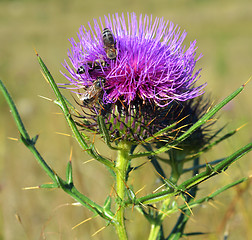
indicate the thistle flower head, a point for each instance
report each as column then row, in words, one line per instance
column 125, row 68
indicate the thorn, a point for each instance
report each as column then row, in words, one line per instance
column 183, row 119
column 112, row 189
column 159, row 174
column 98, row 231
column 85, row 150
column 158, row 210
column 77, row 111
column 117, row 138
column 94, row 138
column 64, row 134
column 188, row 194
column 18, row 218
column 31, row 188
column 116, row 212
column 212, row 120
column 46, row 98
column 14, row 139
column 189, row 208
column 213, row 205
column 44, row 76
column 71, row 154
column 132, row 209
column 58, row 113
column 182, row 212
column 140, row 190
column 121, row 103
column 247, row 82
column 237, row 129
column 88, row 219
column 134, row 168
column 35, row 51
column 178, row 148
column 67, row 204
column 150, row 121
column 89, row 161
column 158, row 188
column 76, row 204
column 210, row 107
column 142, row 205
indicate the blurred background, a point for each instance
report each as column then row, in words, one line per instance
column 223, row 29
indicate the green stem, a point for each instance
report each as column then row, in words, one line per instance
column 177, row 167
column 154, row 231
column 122, row 164
column 58, row 182
column 63, row 105
column 30, row 144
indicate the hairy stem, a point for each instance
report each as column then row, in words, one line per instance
column 122, row 164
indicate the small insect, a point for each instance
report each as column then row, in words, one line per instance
column 91, row 66
column 109, row 43
column 93, row 92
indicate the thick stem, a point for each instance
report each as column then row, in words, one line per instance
column 154, row 232
column 122, row 164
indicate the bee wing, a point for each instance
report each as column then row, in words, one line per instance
column 108, row 38
column 88, row 93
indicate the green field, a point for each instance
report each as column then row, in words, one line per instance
column 223, row 30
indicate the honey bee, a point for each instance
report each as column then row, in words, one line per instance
column 109, row 44
column 93, row 92
column 91, row 66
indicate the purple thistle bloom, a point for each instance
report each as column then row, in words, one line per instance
column 151, row 65
column 135, row 73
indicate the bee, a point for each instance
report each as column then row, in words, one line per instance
column 91, row 66
column 93, row 92
column 109, row 44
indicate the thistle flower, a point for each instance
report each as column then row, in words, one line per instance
column 134, row 76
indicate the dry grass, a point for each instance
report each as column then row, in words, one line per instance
column 224, row 34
